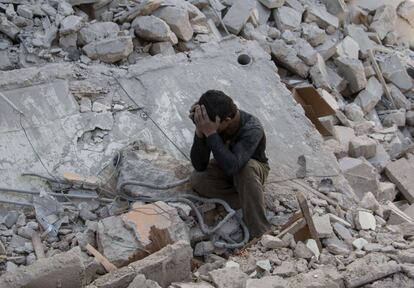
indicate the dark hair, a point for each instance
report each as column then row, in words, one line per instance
column 217, row 103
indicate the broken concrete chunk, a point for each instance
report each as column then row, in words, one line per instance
column 11, row 218
column 406, row 11
column 272, row 242
column 384, row 21
column 286, row 269
column 25, row 11
column 204, row 248
column 313, row 34
column 370, row 96
column 400, row 173
column 168, row 265
column 153, row 29
column 394, row 71
column 360, row 174
column 305, row 51
column 70, row 24
column 271, row 4
column 394, row 117
column 365, row 221
column 49, row 271
column 287, row 18
column 116, row 242
column 360, row 272
column 267, row 281
column 337, row 247
column 359, row 243
column 362, row 146
column 178, row 20
column 65, row 9
column 109, row 50
column 354, row 112
column 141, row 282
column 228, row 277
column 386, row 192
column 317, row 13
column 287, row 56
column 344, row 135
column 353, row 71
column 361, row 37
column 342, row 232
column 97, row 31
column 8, row 28
column 337, row 8
column 302, row 251
column 164, row 48
column 400, row 101
column 319, row 74
column 323, row 226
column 238, row 14
column 348, row 48
column 369, row 202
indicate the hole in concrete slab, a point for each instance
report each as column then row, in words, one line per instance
column 244, row 59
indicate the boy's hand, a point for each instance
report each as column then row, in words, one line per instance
column 203, row 122
column 192, row 117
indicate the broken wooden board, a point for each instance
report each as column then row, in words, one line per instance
column 109, row 267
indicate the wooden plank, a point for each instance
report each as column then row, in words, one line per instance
column 308, row 217
column 38, row 246
column 295, row 217
column 293, row 228
column 109, row 267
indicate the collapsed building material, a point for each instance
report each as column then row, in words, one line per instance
column 170, row 264
column 399, row 172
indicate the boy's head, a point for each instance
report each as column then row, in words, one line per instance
column 217, row 103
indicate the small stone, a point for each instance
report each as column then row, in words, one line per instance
column 153, row 29
column 237, row 15
column 369, row 202
column 354, row 112
column 286, row 269
column 372, row 247
column 317, row 13
column 11, row 218
column 204, row 248
column 302, row 251
column 319, row 74
column 394, row 71
column 288, row 57
column 362, row 146
column 264, row 265
column 8, row 28
column 287, row 18
column 337, row 247
column 313, row 34
column 25, row 11
column 11, row 267
column 85, row 104
column 323, row 226
column 272, row 242
column 384, row 21
column 110, row 50
column 353, row 71
column 228, row 277
column 394, row 117
column 348, row 48
column 271, row 4
column 342, row 232
column 365, row 221
column 370, row 96
column 313, row 246
column 65, row 9
column 178, row 20
column 164, row 48
column 359, row 243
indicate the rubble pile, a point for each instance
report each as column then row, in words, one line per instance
column 353, row 56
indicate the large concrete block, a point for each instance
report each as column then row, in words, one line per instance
column 64, row 270
column 400, row 173
column 384, row 21
column 238, row 14
column 170, row 264
column 394, row 71
column 353, row 71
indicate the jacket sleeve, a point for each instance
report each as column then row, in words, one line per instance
column 200, row 154
column 232, row 161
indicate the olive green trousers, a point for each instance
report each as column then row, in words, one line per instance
column 244, row 190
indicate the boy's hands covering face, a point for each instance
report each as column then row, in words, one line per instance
column 204, row 126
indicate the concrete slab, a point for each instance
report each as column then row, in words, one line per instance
column 163, row 88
